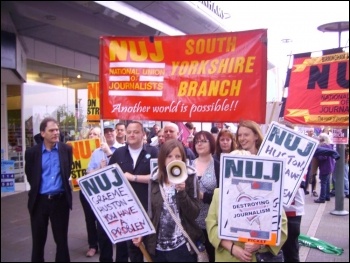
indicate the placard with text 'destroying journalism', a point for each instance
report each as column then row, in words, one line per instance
column 250, row 206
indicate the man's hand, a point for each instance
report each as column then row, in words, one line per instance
column 105, row 148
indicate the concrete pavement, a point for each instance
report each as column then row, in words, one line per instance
column 16, row 241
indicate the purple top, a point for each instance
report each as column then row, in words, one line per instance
column 326, row 164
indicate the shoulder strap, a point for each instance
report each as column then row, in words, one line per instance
column 177, row 220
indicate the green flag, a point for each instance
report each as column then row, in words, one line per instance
column 319, row 244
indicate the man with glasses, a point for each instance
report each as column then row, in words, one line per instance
column 100, row 157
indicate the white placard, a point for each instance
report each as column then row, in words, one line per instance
column 153, row 163
column 250, row 205
column 115, row 204
column 298, row 150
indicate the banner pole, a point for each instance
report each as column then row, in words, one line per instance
column 145, row 253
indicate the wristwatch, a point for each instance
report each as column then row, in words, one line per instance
column 135, row 178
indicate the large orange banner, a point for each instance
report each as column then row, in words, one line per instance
column 210, row 77
column 318, row 92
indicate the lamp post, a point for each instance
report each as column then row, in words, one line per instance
column 339, row 166
column 335, row 27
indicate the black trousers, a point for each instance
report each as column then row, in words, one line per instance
column 106, row 247
column 124, row 249
column 291, row 246
column 91, row 222
column 57, row 211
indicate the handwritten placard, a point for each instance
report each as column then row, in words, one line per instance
column 298, row 149
column 115, row 204
column 249, row 201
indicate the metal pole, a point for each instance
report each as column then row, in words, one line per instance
column 339, row 34
column 339, row 183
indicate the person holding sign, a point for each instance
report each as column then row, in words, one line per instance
column 169, row 244
column 234, row 251
column 48, row 167
column 99, row 159
column 134, row 161
column 90, row 218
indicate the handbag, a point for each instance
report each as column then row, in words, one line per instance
column 269, row 257
column 202, row 255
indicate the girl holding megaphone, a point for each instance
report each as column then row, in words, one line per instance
column 179, row 185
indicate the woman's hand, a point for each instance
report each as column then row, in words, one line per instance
column 180, row 187
column 242, row 254
column 251, row 247
column 137, row 241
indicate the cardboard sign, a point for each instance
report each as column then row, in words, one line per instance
column 115, row 204
column 250, row 198
column 298, row 150
column 93, row 107
column 82, row 151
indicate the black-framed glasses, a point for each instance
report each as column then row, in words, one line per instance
column 201, row 141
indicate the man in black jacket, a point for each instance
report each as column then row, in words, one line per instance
column 134, row 161
column 48, row 168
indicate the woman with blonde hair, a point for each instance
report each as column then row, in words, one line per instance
column 237, row 251
column 249, row 136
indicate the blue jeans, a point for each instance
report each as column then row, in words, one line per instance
column 325, row 186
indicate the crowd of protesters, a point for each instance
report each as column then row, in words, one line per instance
column 194, row 201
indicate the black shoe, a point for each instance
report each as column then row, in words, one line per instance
column 328, row 199
column 306, row 192
column 347, row 196
column 332, row 194
column 319, row 201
